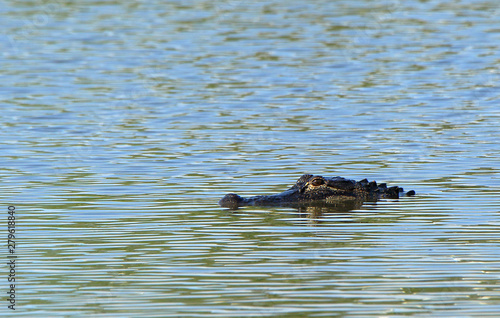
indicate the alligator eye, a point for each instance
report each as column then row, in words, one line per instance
column 317, row 182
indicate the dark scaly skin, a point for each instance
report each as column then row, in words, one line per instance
column 311, row 190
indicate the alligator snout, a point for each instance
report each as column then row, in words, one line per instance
column 231, row 200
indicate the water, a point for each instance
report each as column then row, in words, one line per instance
column 123, row 124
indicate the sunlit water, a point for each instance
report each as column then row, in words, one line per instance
column 123, row 124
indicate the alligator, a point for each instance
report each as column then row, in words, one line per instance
column 311, row 190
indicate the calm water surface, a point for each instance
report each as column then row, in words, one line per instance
column 124, row 123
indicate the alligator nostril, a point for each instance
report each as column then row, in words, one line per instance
column 231, row 201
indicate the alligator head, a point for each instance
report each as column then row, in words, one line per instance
column 310, row 190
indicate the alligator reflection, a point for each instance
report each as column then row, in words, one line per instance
column 316, row 213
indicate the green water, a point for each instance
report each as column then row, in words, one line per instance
column 123, row 124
